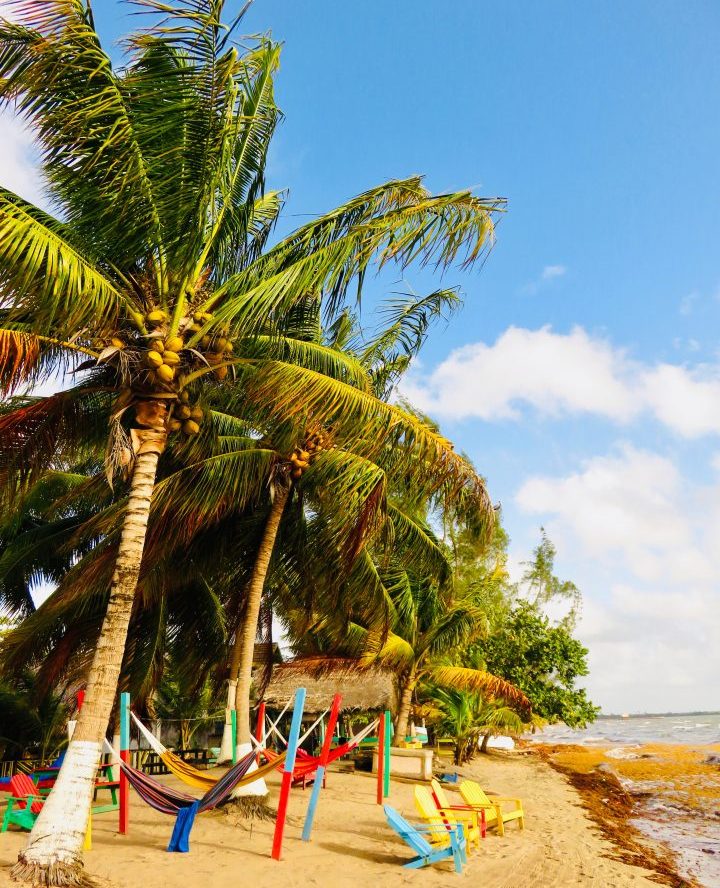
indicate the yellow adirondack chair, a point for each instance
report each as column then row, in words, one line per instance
column 474, row 795
column 451, row 816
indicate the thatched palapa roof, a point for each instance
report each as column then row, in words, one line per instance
column 364, row 688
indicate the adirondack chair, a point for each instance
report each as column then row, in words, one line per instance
column 451, row 841
column 449, row 816
column 24, row 803
column 474, row 795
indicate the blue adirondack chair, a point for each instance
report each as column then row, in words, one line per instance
column 414, row 836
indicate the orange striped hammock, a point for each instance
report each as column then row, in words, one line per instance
column 305, row 763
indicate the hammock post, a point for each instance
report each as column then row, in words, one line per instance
column 288, row 772
column 381, row 760
column 320, row 773
column 387, row 734
column 233, row 731
column 260, row 729
column 124, row 814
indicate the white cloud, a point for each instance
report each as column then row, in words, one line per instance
column 549, row 273
column 553, row 271
column 567, row 373
column 643, row 543
column 18, row 167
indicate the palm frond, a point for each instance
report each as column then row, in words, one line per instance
column 461, row 678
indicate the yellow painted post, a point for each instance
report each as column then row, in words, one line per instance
column 87, row 844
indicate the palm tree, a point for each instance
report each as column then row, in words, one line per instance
column 155, row 266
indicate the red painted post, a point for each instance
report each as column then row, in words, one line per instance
column 286, row 784
column 260, row 729
column 80, row 698
column 381, row 761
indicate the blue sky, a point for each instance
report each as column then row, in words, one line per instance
column 588, row 388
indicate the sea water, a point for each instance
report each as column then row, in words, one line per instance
column 663, row 811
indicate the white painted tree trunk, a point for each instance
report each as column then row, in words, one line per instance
column 53, row 856
column 227, row 737
column 258, row 787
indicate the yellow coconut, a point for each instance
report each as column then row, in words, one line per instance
column 296, row 474
column 205, row 341
column 118, row 343
column 228, row 347
column 153, row 358
column 220, row 344
column 172, row 358
column 304, row 455
column 184, row 396
column 190, row 427
column 183, row 412
column 174, row 425
column 157, row 317
column 158, row 345
column 196, row 414
column 221, row 373
column 167, row 374
column 174, row 344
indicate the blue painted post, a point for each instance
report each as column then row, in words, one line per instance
column 293, row 738
column 125, row 757
column 320, row 773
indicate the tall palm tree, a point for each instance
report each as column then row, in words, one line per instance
column 156, row 263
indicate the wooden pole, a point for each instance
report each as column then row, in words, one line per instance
column 286, row 785
column 125, row 757
column 320, row 773
column 380, row 760
column 260, row 728
column 387, row 734
column 233, row 732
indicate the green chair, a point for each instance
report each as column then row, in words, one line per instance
column 24, row 803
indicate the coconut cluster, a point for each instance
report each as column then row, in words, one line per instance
column 301, row 457
column 185, row 417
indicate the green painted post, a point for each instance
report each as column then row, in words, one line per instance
column 388, row 744
column 233, row 733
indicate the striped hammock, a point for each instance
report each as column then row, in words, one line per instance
column 305, row 763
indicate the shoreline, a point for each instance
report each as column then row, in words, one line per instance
column 655, row 802
column 561, row 845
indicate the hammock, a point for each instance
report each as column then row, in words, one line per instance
column 305, row 763
column 171, row 801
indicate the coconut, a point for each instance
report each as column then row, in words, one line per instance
column 221, row 373
column 172, row 358
column 301, row 463
column 296, row 474
column 184, row 396
column 183, row 412
column 157, row 345
column 196, row 414
column 174, row 344
column 205, row 341
column 157, row 317
column 220, row 344
column 190, row 427
column 304, row 455
column 118, row 343
column 228, row 347
column 174, row 425
column 153, row 358
column 167, row 374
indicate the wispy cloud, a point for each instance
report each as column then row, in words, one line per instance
column 549, row 273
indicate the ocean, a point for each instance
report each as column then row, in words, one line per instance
column 670, row 764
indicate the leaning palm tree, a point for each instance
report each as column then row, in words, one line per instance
column 154, row 269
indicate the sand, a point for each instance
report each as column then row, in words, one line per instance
column 352, row 845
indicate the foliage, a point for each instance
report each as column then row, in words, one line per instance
column 31, row 722
column 545, row 661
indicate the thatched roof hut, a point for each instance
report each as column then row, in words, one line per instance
column 363, row 688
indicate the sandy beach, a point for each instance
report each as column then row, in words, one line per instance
column 561, row 846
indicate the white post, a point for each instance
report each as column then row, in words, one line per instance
column 226, row 750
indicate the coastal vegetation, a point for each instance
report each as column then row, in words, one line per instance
column 226, row 446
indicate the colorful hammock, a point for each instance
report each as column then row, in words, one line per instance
column 171, row 801
column 305, row 763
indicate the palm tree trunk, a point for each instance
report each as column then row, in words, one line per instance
column 53, row 855
column 484, row 744
column 403, row 714
column 241, row 656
